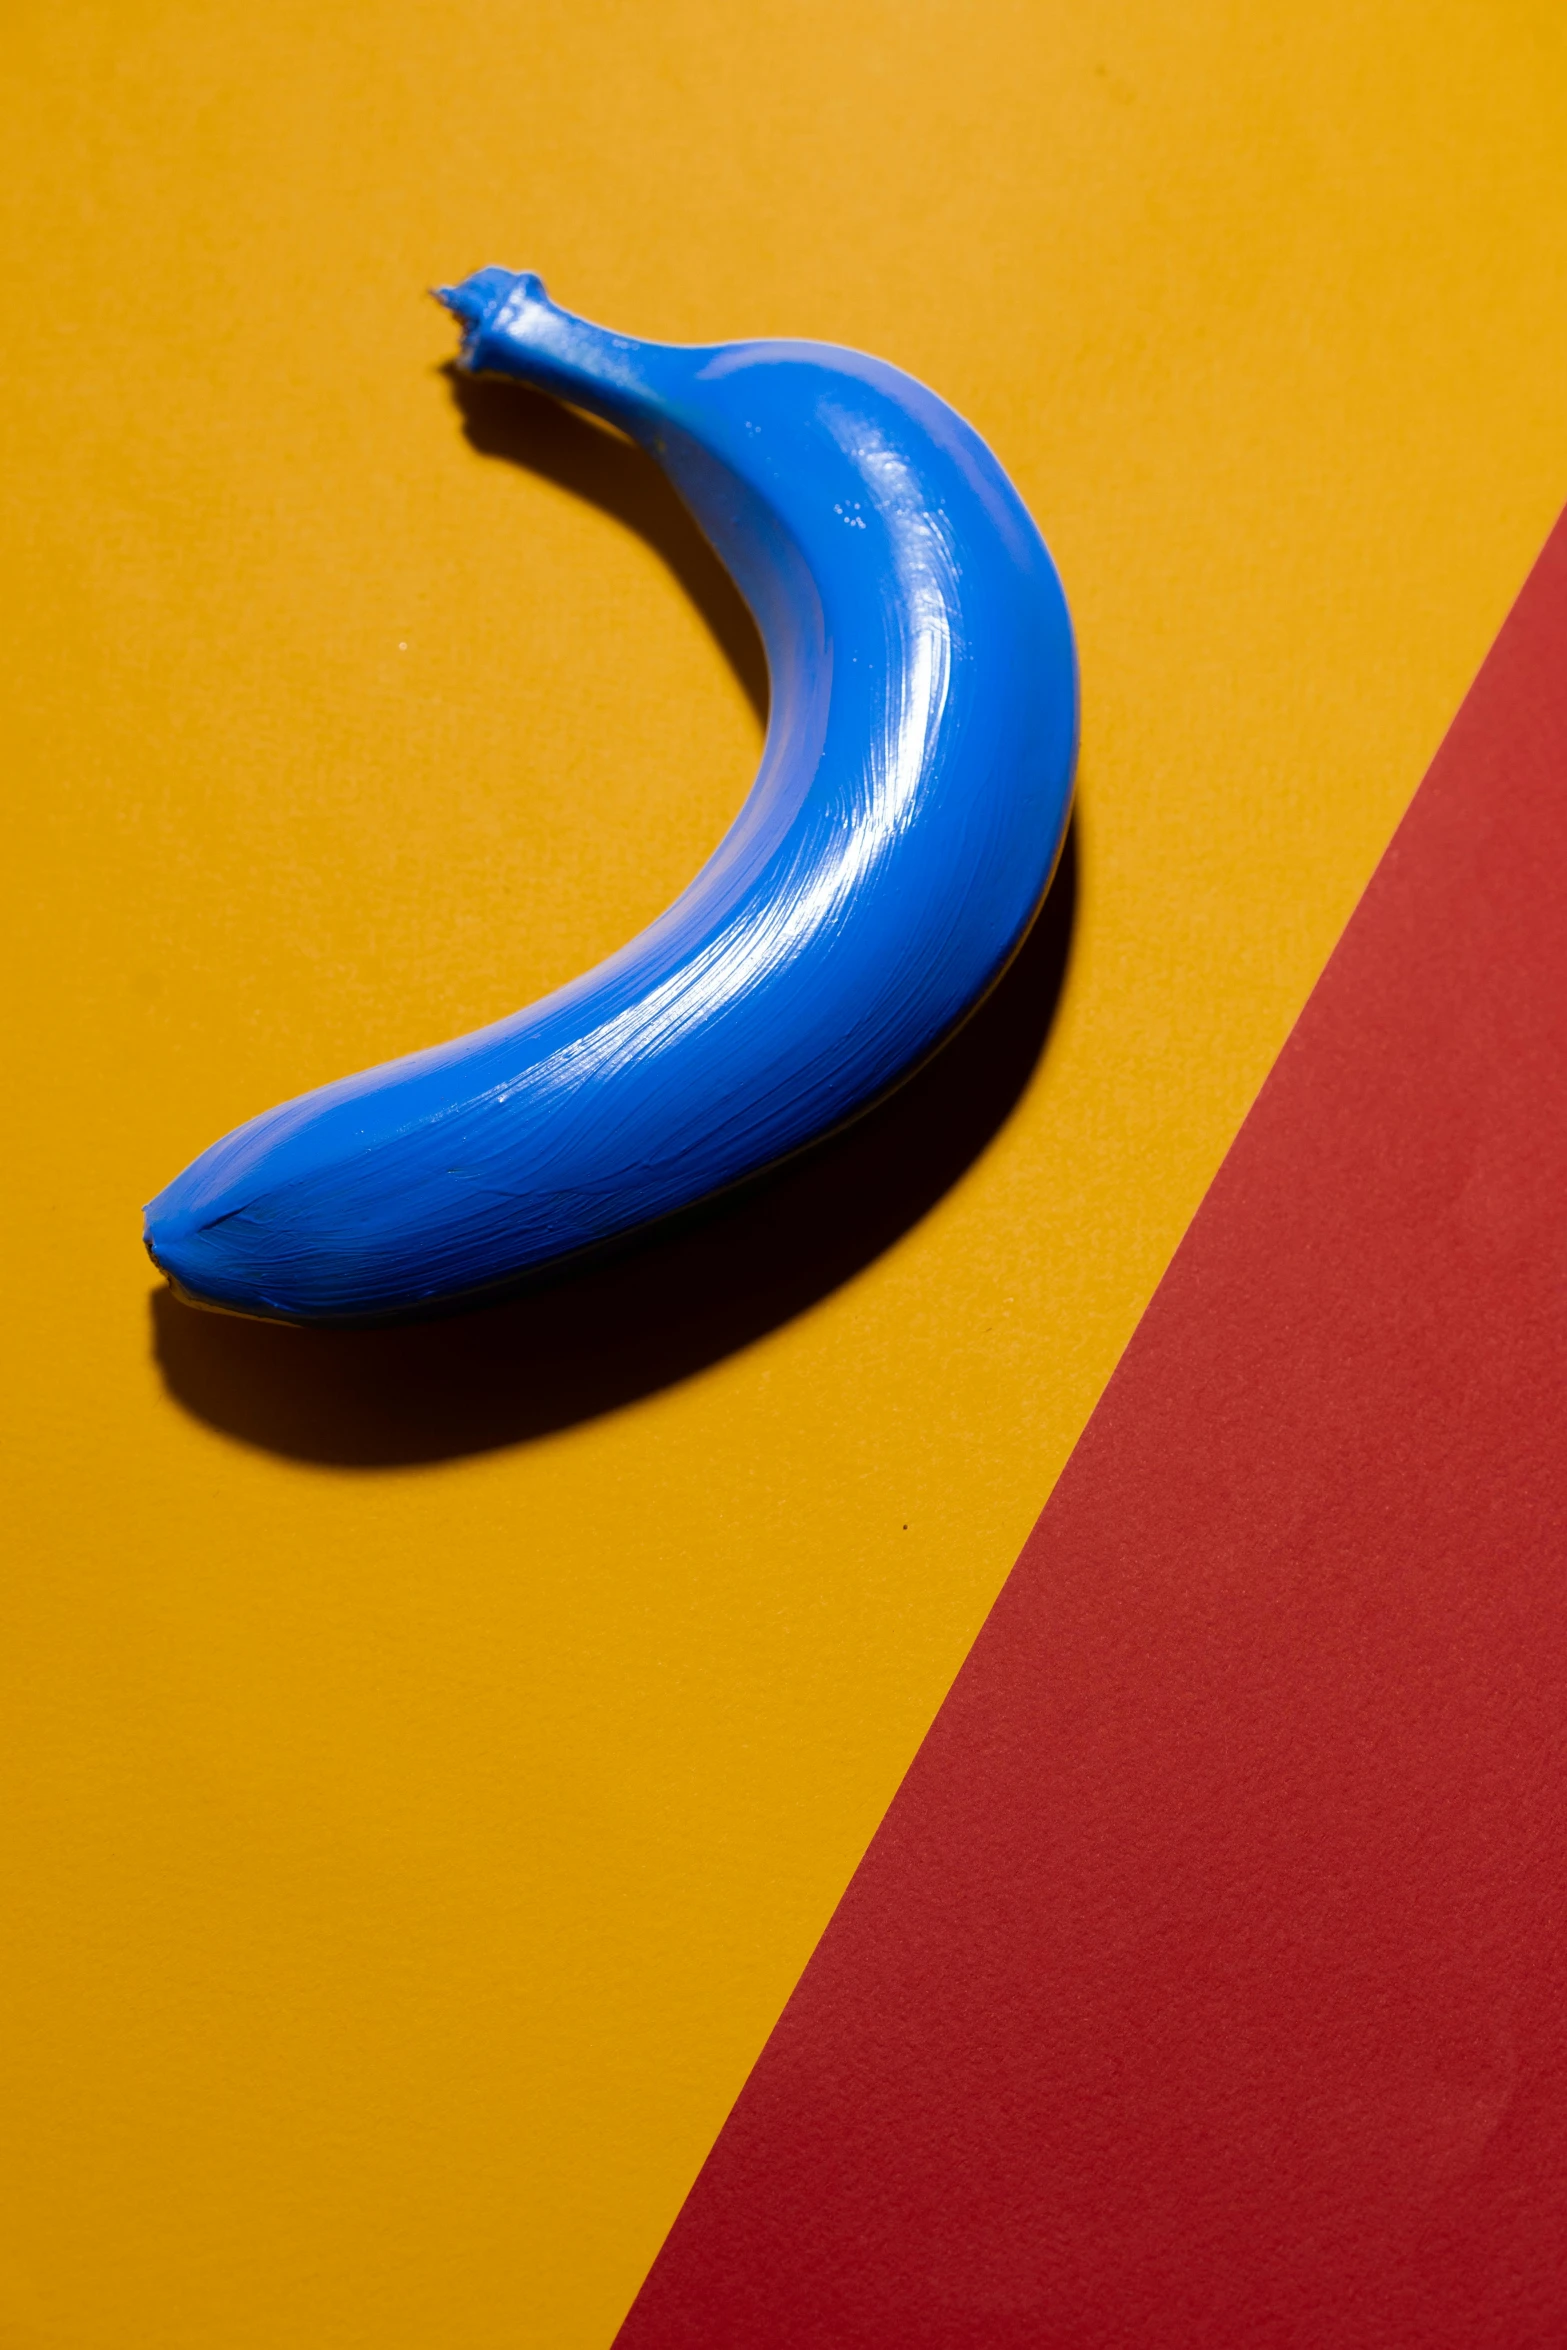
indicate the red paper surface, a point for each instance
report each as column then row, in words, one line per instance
column 1207, row 1981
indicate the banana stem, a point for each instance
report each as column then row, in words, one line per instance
column 511, row 327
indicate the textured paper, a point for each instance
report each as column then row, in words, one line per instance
column 429, row 1766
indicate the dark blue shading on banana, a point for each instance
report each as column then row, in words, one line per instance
column 896, row 845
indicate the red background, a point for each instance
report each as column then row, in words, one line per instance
column 1206, row 1980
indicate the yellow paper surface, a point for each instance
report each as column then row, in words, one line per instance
column 404, row 1862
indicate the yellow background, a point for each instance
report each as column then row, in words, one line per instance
column 402, row 1865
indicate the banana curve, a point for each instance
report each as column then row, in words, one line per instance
column 899, row 838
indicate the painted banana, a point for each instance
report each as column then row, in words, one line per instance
column 897, row 843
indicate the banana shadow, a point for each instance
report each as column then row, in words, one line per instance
column 598, row 464
column 696, row 1290
column 629, row 1325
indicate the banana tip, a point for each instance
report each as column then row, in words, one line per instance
column 475, row 300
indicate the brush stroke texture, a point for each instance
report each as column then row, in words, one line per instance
column 899, row 839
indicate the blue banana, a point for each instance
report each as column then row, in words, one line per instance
column 899, row 838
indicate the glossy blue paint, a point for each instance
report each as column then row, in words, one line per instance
column 909, row 808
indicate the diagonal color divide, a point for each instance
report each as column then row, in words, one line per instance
column 1206, row 1980
column 415, row 1819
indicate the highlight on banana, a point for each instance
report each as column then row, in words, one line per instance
column 900, row 836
